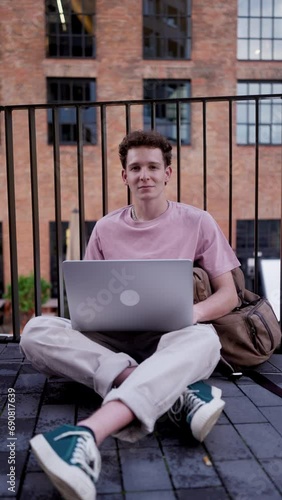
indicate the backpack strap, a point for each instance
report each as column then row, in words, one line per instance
column 233, row 374
column 263, row 381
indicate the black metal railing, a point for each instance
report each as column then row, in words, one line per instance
column 103, row 137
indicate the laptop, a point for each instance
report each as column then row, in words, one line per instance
column 129, row 295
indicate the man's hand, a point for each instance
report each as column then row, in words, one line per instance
column 221, row 302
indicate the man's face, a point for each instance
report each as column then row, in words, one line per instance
column 146, row 173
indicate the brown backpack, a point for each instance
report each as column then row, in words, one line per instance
column 250, row 333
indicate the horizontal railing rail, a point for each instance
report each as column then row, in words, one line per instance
column 102, row 144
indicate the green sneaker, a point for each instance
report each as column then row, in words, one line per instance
column 197, row 409
column 71, row 459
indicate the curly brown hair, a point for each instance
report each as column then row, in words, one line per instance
column 147, row 138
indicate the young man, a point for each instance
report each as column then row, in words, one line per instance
column 157, row 373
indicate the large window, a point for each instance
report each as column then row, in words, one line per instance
column 166, row 29
column 61, row 90
column 270, row 113
column 166, row 112
column 259, row 29
column 70, row 28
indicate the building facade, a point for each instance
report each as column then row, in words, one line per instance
column 57, row 51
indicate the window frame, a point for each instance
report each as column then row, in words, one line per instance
column 64, row 31
column 265, row 43
column 167, row 108
column 163, row 21
column 71, row 111
column 272, row 105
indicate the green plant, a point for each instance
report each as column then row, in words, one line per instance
column 26, row 292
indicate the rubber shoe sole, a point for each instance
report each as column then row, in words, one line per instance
column 71, row 481
column 205, row 418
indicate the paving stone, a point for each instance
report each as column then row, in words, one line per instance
column 11, row 351
column 110, row 496
column 37, row 486
column 245, row 479
column 263, row 439
column 2, row 346
column 8, row 369
column 27, row 368
column 242, row 410
column 268, row 367
column 223, row 418
column 26, row 406
column 224, row 443
column 52, row 416
column 228, row 388
column 144, row 469
column 109, row 444
column 151, row 495
column 149, row 441
column 30, row 383
column 188, row 469
column 216, row 493
column 276, row 378
column 274, row 416
column 3, row 400
column 276, row 361
column 260, row 396
column 20, row 459
column 23, row 432
column 110, row 476
column 6, row 382
column 32, row 464
column 273, row 468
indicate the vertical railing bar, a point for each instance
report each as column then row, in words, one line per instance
column 35, row 210
column 128, row 129
column 153, row 115
column 58, row 217
column 230, row 193
column 12, row 223
column 280, row 295
column 256, row 193
column 104, row 159
column 178, row 148
column 80, row 182
column 205, row 154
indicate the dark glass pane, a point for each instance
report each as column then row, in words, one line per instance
column 65, row 92
column 53, row 47
column 66, row 135
column 64, row 46
column 78, row 93
column 53, row 92
column 72, row 28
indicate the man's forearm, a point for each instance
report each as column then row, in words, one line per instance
column 218, row 304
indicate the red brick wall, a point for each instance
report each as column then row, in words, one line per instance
column 119, row 71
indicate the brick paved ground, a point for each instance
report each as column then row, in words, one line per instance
column 244, row 448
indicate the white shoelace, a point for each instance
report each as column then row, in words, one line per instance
column 84, row 453
column 188, row 402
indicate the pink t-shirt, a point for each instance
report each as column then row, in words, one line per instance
column 181, row 232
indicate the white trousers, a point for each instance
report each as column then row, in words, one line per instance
column 181, row 358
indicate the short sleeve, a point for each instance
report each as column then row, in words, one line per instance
column 214, row 254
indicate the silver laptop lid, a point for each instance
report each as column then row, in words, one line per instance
column 129, row 295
